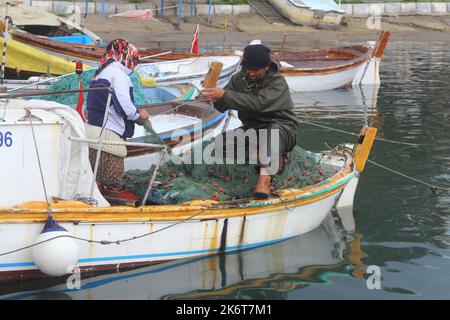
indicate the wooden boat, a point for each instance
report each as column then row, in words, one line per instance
column 188, row 70
column 24, row 61
column 155, row 233
column 310, row 12
column 158, row 94
column 180, row 124
column 45, row 24
column 327, row 69
column 317, row 254
column 92, row 53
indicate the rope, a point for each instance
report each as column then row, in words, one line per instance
column 357, row 135
column 433, row 187
column 49, row 210
column 100, row 138
column 102, row 242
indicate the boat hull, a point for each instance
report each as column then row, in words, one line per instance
column 246, row 228
column 224, row 274
column 325, row 81
column 307, row 16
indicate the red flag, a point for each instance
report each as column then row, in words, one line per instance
column 194, row 46
column 79, row 71
column 81, row 102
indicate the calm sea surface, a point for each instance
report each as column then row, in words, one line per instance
column 401, row 228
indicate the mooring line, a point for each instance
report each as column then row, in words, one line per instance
column 433, row 187
column 357, row 135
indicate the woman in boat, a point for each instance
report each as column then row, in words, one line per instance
column 261, row 96
column 118, row 61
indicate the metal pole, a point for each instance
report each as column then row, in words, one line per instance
column 5, row 40
column 103, row 9
column 100, row 145
column 152, row 180
column 47, row 92
column 209, row 11
column 180, row 11
column 87, row 7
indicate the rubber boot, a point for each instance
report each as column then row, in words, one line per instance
column 262, row 187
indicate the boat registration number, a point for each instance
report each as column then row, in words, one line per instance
column 6, row 139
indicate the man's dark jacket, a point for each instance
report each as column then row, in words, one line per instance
column 260, row 104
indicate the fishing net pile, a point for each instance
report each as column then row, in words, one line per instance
column 178, row 183
column 71, row 82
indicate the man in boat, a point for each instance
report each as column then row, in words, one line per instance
column 118, row 61
column 261, row 96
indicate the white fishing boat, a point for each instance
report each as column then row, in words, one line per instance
column 180, row 125
column 44, row 24
column 332, row 68
column 319, row 254
column 310, row 12
column 51, row 179
column 188, row 70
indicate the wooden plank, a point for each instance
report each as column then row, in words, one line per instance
column 213, row 74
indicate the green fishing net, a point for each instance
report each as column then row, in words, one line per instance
column 178, row 183
column 71, row 82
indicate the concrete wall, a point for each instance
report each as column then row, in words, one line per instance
column 359, row 9
column 397, row 8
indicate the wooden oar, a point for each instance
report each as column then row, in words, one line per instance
column 213, row 74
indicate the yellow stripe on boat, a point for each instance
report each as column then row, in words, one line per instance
column 75, row 211
column 26, row 58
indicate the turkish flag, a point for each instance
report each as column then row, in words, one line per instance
column 194, row 46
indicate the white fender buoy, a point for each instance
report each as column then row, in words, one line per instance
column 55, row 257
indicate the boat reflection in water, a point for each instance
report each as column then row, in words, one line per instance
column 338, row 103
column 269, row 271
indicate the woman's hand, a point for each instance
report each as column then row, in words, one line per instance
column 212, row 94
column 143, row 116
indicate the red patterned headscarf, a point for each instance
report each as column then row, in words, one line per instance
column 121, row 51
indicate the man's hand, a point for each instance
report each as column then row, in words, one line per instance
column 143, row 115
column 212, row 94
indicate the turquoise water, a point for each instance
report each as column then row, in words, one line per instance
column 400, row 226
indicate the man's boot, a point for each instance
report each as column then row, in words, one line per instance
column 262, row 187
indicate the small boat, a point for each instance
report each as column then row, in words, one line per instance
column 319, row 13
column 319, row 254
column 160, row 94
column 188, row 70
column 180, row 125
column 24, row 61
column 44, row 24
column 327, row 69
column 51, row 180
column 92, row 53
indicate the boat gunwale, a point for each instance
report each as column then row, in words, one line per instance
column 186, row 76
column 194, row 210
column 364, row 57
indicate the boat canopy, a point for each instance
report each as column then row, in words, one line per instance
column 322, row 5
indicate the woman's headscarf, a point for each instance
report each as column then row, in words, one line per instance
column 121, row 51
